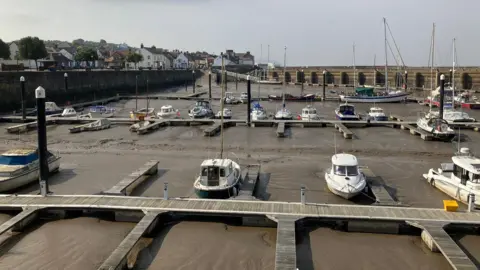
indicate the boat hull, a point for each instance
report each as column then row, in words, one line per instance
column 378, row 118
column 375, row 99
column 347, row 118
column 28, row 177
column 217, row 193
column 275, row 98
column 452, row 189
column 346, row 195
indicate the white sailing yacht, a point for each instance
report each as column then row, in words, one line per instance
column 218, row 177
column 284, row 113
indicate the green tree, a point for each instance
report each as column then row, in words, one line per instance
column 134, row 58
column 4, row 50
column 32, row 48
column 86, row 54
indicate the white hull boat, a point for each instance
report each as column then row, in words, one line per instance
column 344, row 178
column 284, row 114
column 141, row 124
column 21, row 167
column 227, row 114
column 309, row 113
column 258, row 112
column 100, row 124
column 231, row 99
column 202, row 109
column 168, row 112
column 376, row 114
column 452, row 116
column 244, row 97
column 69, row 112
column 458, row 179
column 394, row 97
column 346, row 112
column 437, row 127
column 218, row 179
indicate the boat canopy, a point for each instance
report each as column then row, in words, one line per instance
column 376, row 110
column 469, row 163
column 215, row 171
column 202, row 103
column 18, row 159
column 309, row 110
column 347, row 109
column 344, row 160
column 364, row 91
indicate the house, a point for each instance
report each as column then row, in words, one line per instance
column 68, row 52
column 56, row 60
column 218, row 62
column 245, row 59
column 116, row 60
column 182, row 61
column 155, row 58
column 14, row 51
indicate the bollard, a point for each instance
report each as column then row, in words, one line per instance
column 471, row 202
column 324, row 83
column 42, row 140
column 209, row 84
column 302, row 194
column 165, row 190
column 249, row 99
column 136, row 93
column 406, row 81
column 193, row 80
column 65, row 77
column 442, row 96
column 22, row 96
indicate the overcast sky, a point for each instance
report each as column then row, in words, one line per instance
column 316, row 32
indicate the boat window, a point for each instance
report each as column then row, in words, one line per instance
column 475, row 178
column 204, row 171
column 222, row 172
column 462, row 174
column 213, row 176
column 346, row 170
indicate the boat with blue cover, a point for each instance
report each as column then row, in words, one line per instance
column 346, row 112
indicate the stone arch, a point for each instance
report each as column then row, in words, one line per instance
column 419, row 80
column 288, row 77
column 466, row 81
column 330, row 78
column 379, row 78
column 314, row 77
column 362, row 78
column 398, row 79
column 275, row 75
column 344, row 78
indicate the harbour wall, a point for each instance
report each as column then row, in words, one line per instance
column 85, row 85
column 417, row 77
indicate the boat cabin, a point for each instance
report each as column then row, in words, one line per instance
column 346, row 109
column 167, row 109
column 309, row 110
column 202, row 103
column 345, row 165
column 51, row 107
column 69, row 112
column 376, row 110
column 466, row 169
column 215, row 172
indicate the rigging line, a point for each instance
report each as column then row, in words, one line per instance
column 430, row 52
column 395, row 43
column 394, row 57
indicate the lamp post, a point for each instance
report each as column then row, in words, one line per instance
column 65, row 77
column 209, row 84
column 22, row 96
column 193, row 80
column 42, row 140
column 406, row 81
column 324, row 82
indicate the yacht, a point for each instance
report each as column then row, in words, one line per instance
column 202, row 109
column 452, row 116
column 344, row 178
column 346, row 112
column 283, row 114
column 227, row 114
column 143, row 113
column 19, row 167
column 309, row 113
column 376, row 114
column 168, row 112
column 231, row 99
column 436, row 126
column 69, row 112
column 458, row 179
column 258, row 112
column 244, row 97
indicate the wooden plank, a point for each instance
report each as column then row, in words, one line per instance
column 118, row 259
column 129, row 183
column 212, row 130
column 20, row 220
column 281, row 129
column 376, row 185
column 153, row 126
column 347, row 134
column 249, row 181
column 286, row 251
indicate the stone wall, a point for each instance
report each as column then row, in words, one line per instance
column 85, row 85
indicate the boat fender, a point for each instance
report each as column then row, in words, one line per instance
column 235, row 191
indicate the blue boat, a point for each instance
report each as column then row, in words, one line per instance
column 346, row 112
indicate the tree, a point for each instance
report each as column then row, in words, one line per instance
column 134, row 58
column 4, row 50
column 86, row 54
column 32, row 48
column 103, row 42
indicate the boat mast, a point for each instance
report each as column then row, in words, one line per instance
column 221, row 108
column 433, row 58
column 261, row 57
column 386, row 55
column 453, row 75
column 354, row 69
column 284, row 77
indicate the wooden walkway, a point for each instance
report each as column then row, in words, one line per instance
column 286, row 250
column 129, row 183
column 414, row 131
column 118, row 259
column 382, row 196
column 281, row 129
column 347, row 134
column 248, row 183
column 229, row 207
column 438, row 240
column 23, row 218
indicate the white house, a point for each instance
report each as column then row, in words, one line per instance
column 182, row 62
column 67, row 54
column 14, row 50
column 218, row 62
column 154, row 58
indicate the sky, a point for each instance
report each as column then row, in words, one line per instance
column 315, row 32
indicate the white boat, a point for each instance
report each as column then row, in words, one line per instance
column 437, row 127
column 390, row 97
column 258, row 112
column 283, row 114
column 100, row 124
column 376, row 114
column 202, row 109
column 69, row 112
column 168, row 112
column 309, row 113
column 19, row 167
column 272, row 82
column 231, row 99
column 227, row 114
column 143, row 113
column 244, row 97
column 346, row 112
column 344, row 178
column 141, row 124
column 219, row 178
column 459, row 178
column 452, row 116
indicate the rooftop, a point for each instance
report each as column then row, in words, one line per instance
column 344, row 160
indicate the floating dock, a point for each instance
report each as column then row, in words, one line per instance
column 347, row 134
column 281, row 129
column 378, row 189
column 126, row 186
column 248, row 183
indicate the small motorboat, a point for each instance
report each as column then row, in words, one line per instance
column 436, row 126
column 69, row 112
column 218, row 179
column 244, row 97
column 283, row 114
column 452, row 116
column 19, row 167
column 458, row 179
column 141, row 124
column 231, row 99
column 376, row 114
column 309, row 113
column 102, row 109
column 168, row 112
column 100, row 124
column 227, row 114
column 346, row 112
column 50, row 108
column 344, row 178
column 258, row 112
column 202, row 109
column 144, row 113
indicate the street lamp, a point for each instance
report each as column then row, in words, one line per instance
column 22, row 96
column 193, row 80
column 65, row 77
column 324, row 82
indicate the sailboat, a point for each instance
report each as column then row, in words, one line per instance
column 219, row 177
column 284, row 113
column 258, row 112
column 143, row 113
column 367, row 94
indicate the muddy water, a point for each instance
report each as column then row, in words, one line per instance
column 93, row 162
